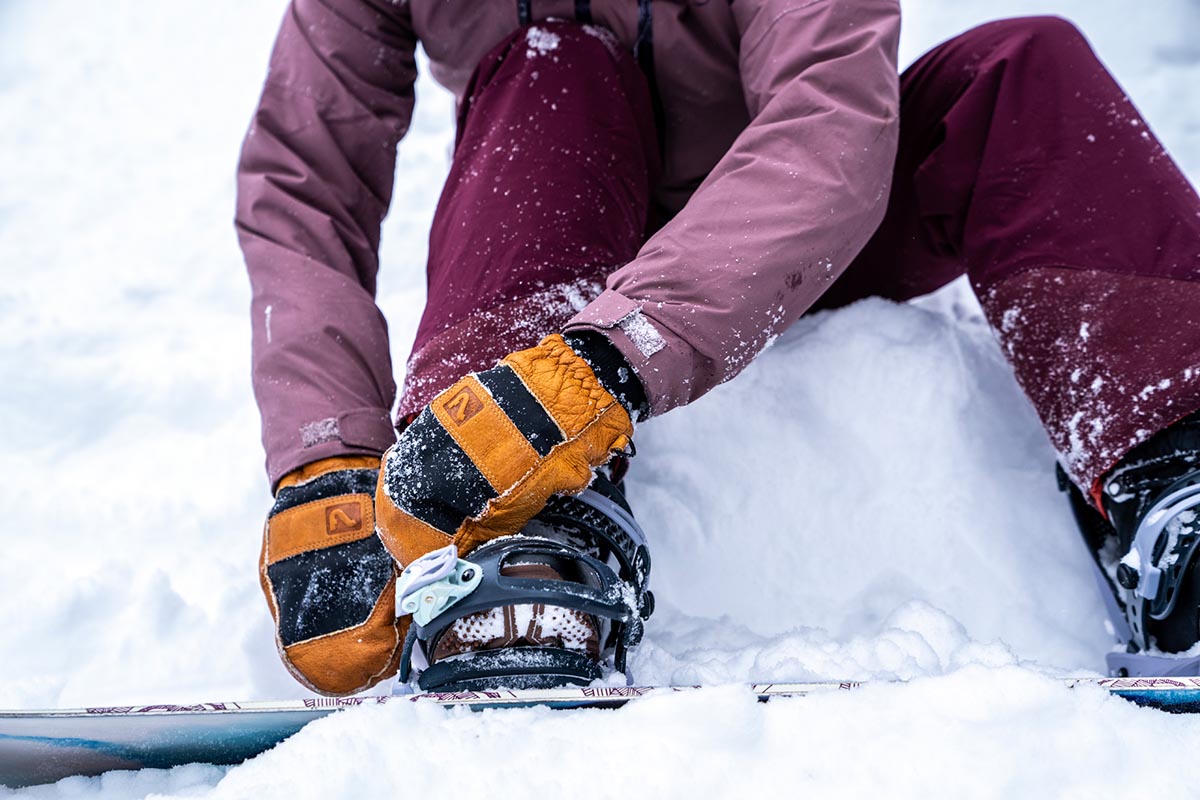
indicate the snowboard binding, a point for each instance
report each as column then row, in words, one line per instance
column 1144, row 554
column 598, row 555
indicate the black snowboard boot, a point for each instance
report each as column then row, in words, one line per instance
column 1144, row 551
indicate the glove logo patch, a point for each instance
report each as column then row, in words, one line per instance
column 343, row 518
column 462, row 406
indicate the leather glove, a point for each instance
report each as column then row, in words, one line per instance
column 484, row 457
column 328, row 580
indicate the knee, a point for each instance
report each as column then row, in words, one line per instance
column 1043, row 34
column 1048, row 29
column 562, row 39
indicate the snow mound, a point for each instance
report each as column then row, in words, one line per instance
column 877, row 470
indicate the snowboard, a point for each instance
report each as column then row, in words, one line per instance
column 46, row 746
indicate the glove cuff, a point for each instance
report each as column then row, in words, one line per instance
column 611, row 369
column 316, row 469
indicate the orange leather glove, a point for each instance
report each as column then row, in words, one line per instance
column 484, row 457
column 328, row 580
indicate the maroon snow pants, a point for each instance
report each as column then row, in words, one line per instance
column 1021, row 164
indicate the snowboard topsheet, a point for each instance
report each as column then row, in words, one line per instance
column 46, row 746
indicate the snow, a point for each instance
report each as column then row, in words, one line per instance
column 322, row 430
column 642, row 333
column 872, row 499
column 540, row 41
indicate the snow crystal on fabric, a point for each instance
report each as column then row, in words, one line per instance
column 519, row 324
column 540, row 42
column 1096, row 403
column 319, row 432
column 642, row 333
column 749, row 344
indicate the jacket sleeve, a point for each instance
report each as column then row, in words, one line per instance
column 781, row 215
column 314, row 183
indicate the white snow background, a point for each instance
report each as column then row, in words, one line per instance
column 872, row 499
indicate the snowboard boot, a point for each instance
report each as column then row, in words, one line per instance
column 562, row 602
column 1143, row 547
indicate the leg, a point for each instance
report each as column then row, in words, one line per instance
column 548, row 193
column 1023, row 163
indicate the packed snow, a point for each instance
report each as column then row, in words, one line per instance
column 872, row 499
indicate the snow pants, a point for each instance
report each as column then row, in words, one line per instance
column 1021, row 164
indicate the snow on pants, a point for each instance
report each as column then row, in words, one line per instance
column 1021, row 164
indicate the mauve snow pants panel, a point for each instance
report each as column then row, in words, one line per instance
column 1022, row 163
column 548, row 192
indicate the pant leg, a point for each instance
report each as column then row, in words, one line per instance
column 548, row 193
column 1024, row 164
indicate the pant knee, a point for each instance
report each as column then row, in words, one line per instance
column 563, row 41
column 1045, row 29
column 1047, row 34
